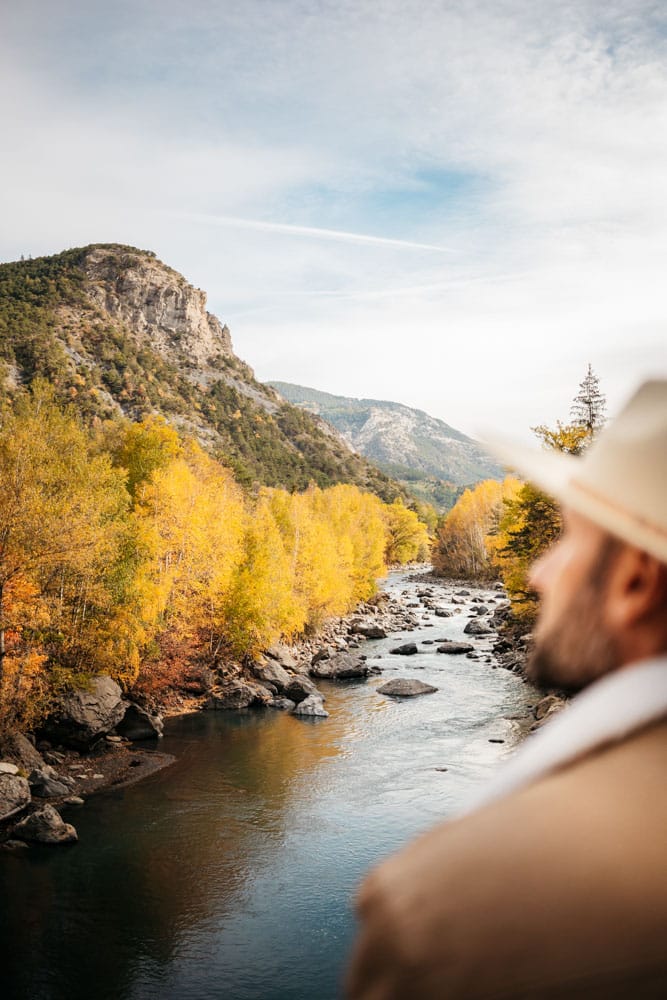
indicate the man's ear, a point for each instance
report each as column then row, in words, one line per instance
column 637, row 589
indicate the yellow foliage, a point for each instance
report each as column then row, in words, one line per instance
column 463, row 547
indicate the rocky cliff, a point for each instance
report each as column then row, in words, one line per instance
column 120, row 334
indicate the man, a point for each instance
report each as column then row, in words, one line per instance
column 555, row 883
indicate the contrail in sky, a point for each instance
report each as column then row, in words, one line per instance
column 312, row 232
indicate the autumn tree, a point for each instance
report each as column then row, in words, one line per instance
column 462, row 547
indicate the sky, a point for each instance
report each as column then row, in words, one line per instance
column 454, row 205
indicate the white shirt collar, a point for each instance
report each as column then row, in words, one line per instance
column 609, row 710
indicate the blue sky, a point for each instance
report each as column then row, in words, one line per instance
column 454, row 205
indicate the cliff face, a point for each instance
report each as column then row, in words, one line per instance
column 158, row 304
column 120, row 334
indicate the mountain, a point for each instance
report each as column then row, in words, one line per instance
column 120, row 334
column 431, row 458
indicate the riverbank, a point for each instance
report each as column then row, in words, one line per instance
column 287, row 679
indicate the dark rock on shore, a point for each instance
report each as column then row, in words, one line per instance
column 46, row 826
column 300, row 688
column 84, row 716
column 368, row 631
column 237, row 694
column 138, row 724
column 404, row 687
column 338, row 668
column 271, row 672
column 14, row 794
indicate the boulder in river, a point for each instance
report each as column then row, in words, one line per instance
column 370, row 631
column 405, row 687
column 442, row 613
column 451, row 647
column 462, row 593
column 476, row 627
column 46, row 826
column 14, row 794
column 300, row 688
column 138, row 724
column 312, row 706
column 235, row 694
column 407, row 649
column 339, row 668
column 86, row 714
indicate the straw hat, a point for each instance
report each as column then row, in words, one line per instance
column 620, row 482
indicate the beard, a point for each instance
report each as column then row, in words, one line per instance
column 578, row 648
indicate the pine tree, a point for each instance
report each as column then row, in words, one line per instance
column 589, row 405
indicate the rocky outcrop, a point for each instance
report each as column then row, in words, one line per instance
column 14, row 794
column 405, row 687
column 44, row 783
column 45, row 826
column 139, row 724
column 86, row 715
column 157, row 303
column 19, row 749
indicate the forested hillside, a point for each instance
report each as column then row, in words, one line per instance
column 118, row 333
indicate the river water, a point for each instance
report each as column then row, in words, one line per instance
column 230, row 873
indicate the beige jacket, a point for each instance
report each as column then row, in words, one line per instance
column 557, row 889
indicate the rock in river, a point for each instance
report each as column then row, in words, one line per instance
column 313, row 706
column 46, row 827
column 14, row 794
column 300, row 688
column 476, row 627
column 451, row 647
column 404, row 687
column 340, row 668
column 407, row 649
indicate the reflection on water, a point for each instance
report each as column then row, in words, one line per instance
column 229, row 874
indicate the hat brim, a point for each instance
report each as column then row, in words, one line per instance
column 559, row 475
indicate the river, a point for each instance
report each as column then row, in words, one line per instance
column 230, row 873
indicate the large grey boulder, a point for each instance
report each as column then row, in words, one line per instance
column 44, row 783
column 18, row 748
column 311, row 706
column 271, row 672
column 404, row 687
column 237, row 694
column 475, row 627
column 300, row 688
column 138, row 724
column 451, row 647
column 370, row 631
column 339, row 668
column 14, row 794
column 407, row 649
column 283, row 655
column 46, row 826
column 86, row 715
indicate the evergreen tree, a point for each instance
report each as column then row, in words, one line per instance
column 589, row 405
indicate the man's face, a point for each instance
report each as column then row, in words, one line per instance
column 572, row 643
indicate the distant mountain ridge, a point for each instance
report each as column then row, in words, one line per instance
column 405, row 442
column 119, row 333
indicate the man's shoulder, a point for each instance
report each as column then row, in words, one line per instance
column 578, row 858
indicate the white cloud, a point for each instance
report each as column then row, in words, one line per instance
column 307, row 126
